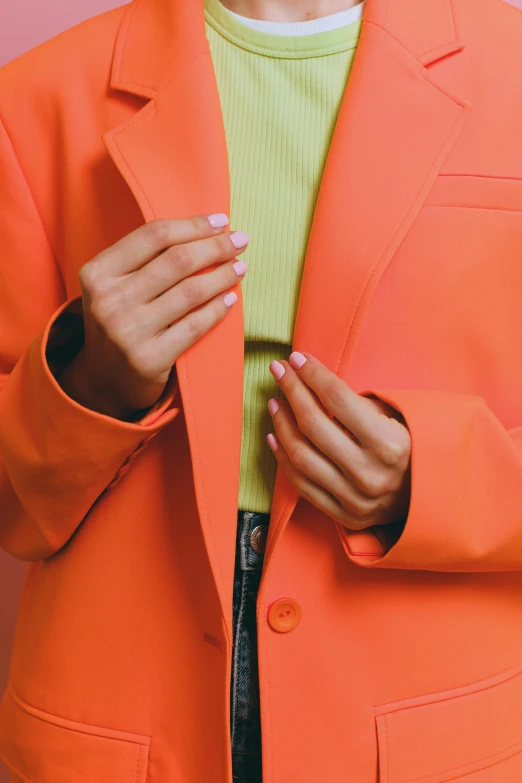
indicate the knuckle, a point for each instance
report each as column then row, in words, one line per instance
column 192, row 290
column 160, row 231
column 373, row 485
column 308, row 423
column 298, row 458
column 195, row 328
column 393, row 452
column 356, row 509
column 180, row 258
column 335, row 392
column 89, row 275
column 362, row 514
column 85, row 274
column 366, row 516
column 352, row 518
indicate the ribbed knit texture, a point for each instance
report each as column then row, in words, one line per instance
column 280, row 97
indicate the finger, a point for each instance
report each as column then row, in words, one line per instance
column 305, row 459
column 309, row 490
column 328, row 435
column 144, row 243
column 182, row 261
column 174, row 341
column 356, row 413
column 188, row 295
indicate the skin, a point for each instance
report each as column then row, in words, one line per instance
column 346, row 454
column 288, row 10
column 145, row 300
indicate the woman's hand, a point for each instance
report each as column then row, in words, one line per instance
column 348, row 455
column 145, row 301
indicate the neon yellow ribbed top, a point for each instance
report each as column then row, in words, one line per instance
column 280, row 96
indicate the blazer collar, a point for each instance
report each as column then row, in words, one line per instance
column 426, row 28
column 157, row 37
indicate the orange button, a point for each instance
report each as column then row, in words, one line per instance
column 284, row 615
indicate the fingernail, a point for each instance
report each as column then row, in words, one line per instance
column 272, row 442
column 230, row 298
column 297, row 359
column 277, row 370
column 219, row 220
column 239, row 239
column 273, row 406
column 240, row 268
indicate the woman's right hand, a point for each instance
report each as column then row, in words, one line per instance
column 144, row 304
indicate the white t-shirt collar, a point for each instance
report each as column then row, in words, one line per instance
column 323, row 24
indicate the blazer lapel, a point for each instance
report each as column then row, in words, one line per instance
column 395, row 128
column 173, row 155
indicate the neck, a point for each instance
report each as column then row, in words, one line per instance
column 287, row 10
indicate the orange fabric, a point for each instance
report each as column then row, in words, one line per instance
column 405, row 666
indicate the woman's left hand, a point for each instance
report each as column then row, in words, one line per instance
column 347, row 455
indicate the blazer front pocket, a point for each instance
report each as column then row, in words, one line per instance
column 43, row 748
column 471, row 734
column 475, row 192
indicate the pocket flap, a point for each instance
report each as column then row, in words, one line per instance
column 459, row 190
column 46, row 749
column 435, row 738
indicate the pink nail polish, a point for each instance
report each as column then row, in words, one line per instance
column 273, row 406
column 239, row 239
column 277, row 370
column 240, row 268
column 219, row 220
column 297, row 359
column 230, row 298
column 272, row 442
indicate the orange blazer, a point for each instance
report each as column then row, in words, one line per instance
column 406, row 665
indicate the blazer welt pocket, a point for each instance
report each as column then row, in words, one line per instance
column 471, row 734
column 43, row 748
column 466, row 191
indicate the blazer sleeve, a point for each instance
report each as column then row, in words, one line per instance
column 56, row 457
column 465, row 511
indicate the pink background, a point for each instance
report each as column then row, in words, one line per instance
column 23, row 25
